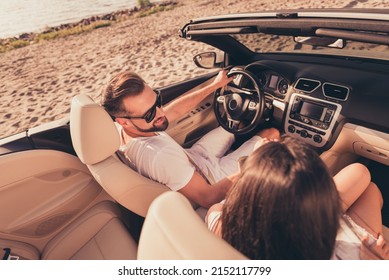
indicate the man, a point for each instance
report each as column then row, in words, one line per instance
column 202, row 173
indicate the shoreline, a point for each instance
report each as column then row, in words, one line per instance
column 83, row 25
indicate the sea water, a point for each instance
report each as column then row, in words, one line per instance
column 23, row 16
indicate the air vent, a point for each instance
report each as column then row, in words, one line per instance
column 335, row 91
column 307, row 85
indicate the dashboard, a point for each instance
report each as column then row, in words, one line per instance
column 273, row 83
column 311, row 118
column 315, row 102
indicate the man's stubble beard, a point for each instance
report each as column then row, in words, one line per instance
column 162, row 127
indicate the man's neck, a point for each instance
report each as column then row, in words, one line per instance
column 128, row 135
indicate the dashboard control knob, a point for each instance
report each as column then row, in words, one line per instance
column 291, row 129
column 304, row 133
column 317, row 138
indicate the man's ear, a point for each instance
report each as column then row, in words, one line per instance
column 121, row 121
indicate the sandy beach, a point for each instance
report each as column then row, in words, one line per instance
column 37, row 82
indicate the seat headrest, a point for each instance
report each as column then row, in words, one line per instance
column 93, row 132
column 184, row 237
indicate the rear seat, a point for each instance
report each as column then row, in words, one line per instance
column 98, row 234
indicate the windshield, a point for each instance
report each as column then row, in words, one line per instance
column 265, row 43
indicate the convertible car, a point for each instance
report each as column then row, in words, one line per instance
column 321, row 76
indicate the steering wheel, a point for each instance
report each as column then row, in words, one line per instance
column 239, row 104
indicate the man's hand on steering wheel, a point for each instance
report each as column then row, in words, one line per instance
column 222, row 79
column 238, row 103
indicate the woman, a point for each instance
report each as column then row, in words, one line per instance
column 285, row 205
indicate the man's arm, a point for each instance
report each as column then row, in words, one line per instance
column 199, row 191
column 184, row 104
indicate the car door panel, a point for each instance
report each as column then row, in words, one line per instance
column 196, row 122
column 41, row 191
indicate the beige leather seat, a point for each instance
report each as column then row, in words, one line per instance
column 98, row 234
column 96, row 140
column 173, row 230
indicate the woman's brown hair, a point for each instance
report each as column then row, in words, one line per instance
column 284, row 206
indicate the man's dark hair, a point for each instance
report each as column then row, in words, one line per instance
column 120, row 86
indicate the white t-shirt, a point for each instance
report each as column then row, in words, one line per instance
column 162, row 159
column 159, row 158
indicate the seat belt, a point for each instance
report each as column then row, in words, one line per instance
column 7, row 255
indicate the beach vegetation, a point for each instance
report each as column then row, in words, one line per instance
column 145, row 8
column 71, row 31
column 144, row 4
column 155, row 9
column 19, row 44
column 13, row 44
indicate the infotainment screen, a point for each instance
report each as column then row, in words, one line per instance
column 273, row 81
column 312, row 110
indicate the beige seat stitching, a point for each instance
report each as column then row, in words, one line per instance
column 79, row 223
column 95, row 241
column 97, row 244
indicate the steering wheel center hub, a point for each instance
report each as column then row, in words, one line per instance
column 233, row 104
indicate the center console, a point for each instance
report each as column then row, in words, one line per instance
column 311, row 119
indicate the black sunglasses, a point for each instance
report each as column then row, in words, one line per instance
column 150, row 113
